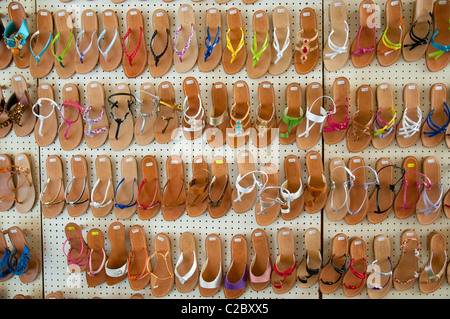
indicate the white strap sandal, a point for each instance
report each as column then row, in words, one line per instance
column 289, row 197
column 215, row 283
column 104, row 203
column 366, row 187
column 349, row 181
column 276, row 45
column 430, row 207
column 43, row 117
column 191, row 271
column 337, row 49
column 241, row 191
column 317, row 118
column 410, row 127
column 139, row 104
column 195, row 122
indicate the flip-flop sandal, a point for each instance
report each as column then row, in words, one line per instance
column 185, row 43
column 20, row 112
column 174, row 193
column 437, row 55
column 102, row 193
column 306, row 56
column 316, row 185
column 330, row 276
column 407, row 269
column 55, row 295
column 433, row 274
column 194, row 117
column 235, row 53
column 27, row 266
column 363, row 49
column 292, row 114
column 71, row 129
column 5, row 52
column 41, row 61
column 309, row 268
column 87, row 52
column 390, row 45
column 360, row 131
column 52, row 193
column 5, row 251
column 384, row 125
column 17, row 35
column 381, row 202
column 160, row 60
column 77, row 193
column 219, row 116
column 186, row 269
column 438, row 119
column 210, row 279
column 95, row 118
column 358, row 192
column 354, row 279
column 282, row 53
column 260, row 268
column 144, row 130
column 238, row 131
column 161, row 274
column 24, row 190
column 219, row 189
column 95, row 270
column 268, row 206
column 5, row 121
column 337, row 122
column 236, row 278
column 284, row 273
column 408, row 128
column 340, row 179
column 429, row 205
column 78, row 254
column 149, row 193
column 135, row 55
column 245, row 191
column 265, row 125
column 260, row 54
column 197, row 195
column 125, row 201
column 117, row 263
column 7, row 195
column 108, row 42
column 336, row 50
column 309, row 131
column 166, row 124
column 66, row 52
column 138, row 274
column 292, row 188
column 121, row 128
column 379, row 281
column 418, row 36
column 46, row 128
column 210, row 52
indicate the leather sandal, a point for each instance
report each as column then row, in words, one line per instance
column 437, row 55
column 282, row 45
column 292, row 188
column 236, row 278
column 46, row 128
column 109, row 43
column 354, row 279
column 77, row 193
column 146, row 109
column 260, row 268
column 41, row 60
column 186, row 268
column 234, row 55
column 408, row 269
column 24, row 190
column 65, row 53
column 197, row 195
column 194, row 119
column 166, row 124
column 210, row 52
column 219, row 116
column 364, row 45
column 102, row 193
column 161, row 273
column 309, row 268
column 138, row 274
column 210, row 279
column 5, row 251
column 126, row 192
column 135, row 55
column 95, row 118
column 160, row 59
column 316, row 185
column 219, row 189
column 438, row 119
column 174, row 193
column 238, row 131
column 5, row 52
column 265, row 125
column 71, row 130
column 259, row 56
column 446, row 204
column 384, row 125
column 149, row 193
column 116, row 267
column 121, row 128
column 379, row 280
column 284, row 269
column 268, row 207
column 337, row 122
column 17, row 35
column 78, row 254
column 408, row 129
column 292, row 114
column 185, row 42
column 330, row 276
column 87, row 52
column 5, row 121
column 7, row 195
column 306, row 56
column 95, row 270
column 19, row 107
column 52, row 192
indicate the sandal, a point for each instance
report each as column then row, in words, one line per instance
column 52, row 193
column 265, row 125
column 196, row 198
column 24, row 190
column 236, row 279
column 330, row 276
column 174, row 193
column 5, row 271
column 360, row 132
column 5, row 122
column 316, row 185
column 378, row 286
column 259, row 56
column 161, row 274
column 46, row 128
column 116, row 267
column 446, row 204
column 408, row 129
column 292, row 188
column 309, row 268
column 336, row 50
column 235, row 54
column 363, row 47
column 219, row 116
column 194, row 118
column 146, row 108
column 354, row 279
column 102, row 193
column 211, row 273
column 108, row 42
column 407, row 270
column 138, row 273
column 149, row 193
column 186, row 270
column 77, row 193
column 70, row 131
column 208, row 58
column 126, row 200
column 66, row 52
column 306, row 56
column 78, row 254
column 281, row 58
column 160, row 60
column 385, row 120
column 96, row 130
column 41, row 61
column 7, row 194
column 268, row 206
column 340, row 179
column 87, row 52
column 16, row 34
column 19, row 107
column 238, row 131
column 337, row 122
column 391, row 42
column 134, row 60
column 5, row 52
column 283, row 276
column 437, row 55
column 95, row 270
column 185, row 41
column 292, row 115
column 219, row 189
column 166, row 124
column 260, row 268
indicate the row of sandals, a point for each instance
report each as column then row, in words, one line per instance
column 156, row 270
column 350, row 195
column 82, row 53
column 157, row 115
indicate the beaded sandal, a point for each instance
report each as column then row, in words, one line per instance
column 134, row 60
column 96, row 130
column 407, row 270
column 5, row 53
column 306, row 56
column 238, row 131
column 161, row 58
column 185, row 41
column 16, row 35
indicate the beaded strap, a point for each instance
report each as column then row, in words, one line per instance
column 158, row 57
column 89, row 131
column 38, row 56
column 131, row 57
column 304, row 46
column 186, row 47
column 416, row 254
